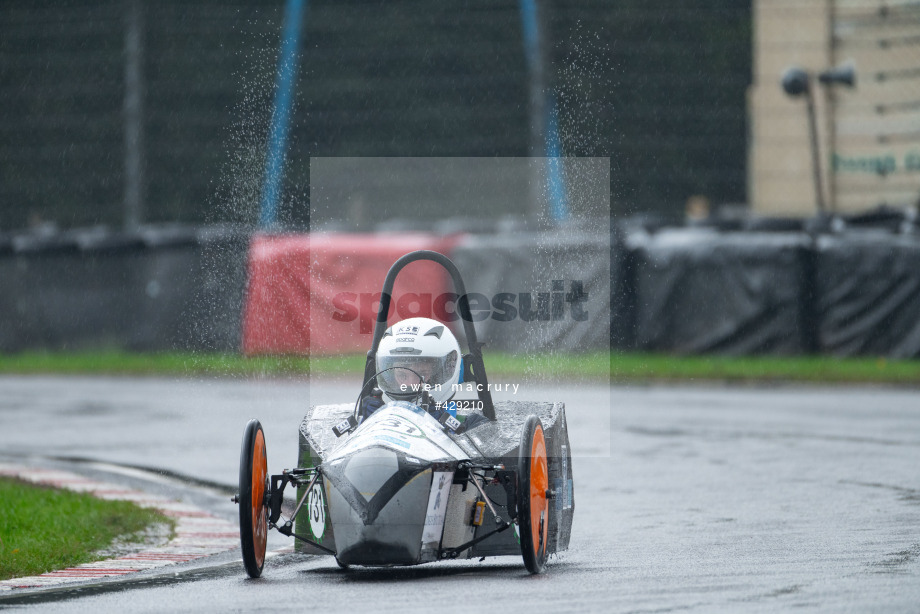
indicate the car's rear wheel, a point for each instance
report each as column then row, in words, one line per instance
column 533, row 504
column 253, row 498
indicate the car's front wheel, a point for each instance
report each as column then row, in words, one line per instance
column 253, row 498
column 533, row 503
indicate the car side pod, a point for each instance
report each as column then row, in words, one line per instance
column 252, row 498
column 533, row 495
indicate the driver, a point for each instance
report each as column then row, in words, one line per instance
column 410, row 373
column 416, row 355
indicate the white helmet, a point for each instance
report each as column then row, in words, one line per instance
column 418, row 348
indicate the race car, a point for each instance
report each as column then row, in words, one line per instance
column 406, row 474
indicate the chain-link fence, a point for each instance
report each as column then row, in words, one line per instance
column 657, row 85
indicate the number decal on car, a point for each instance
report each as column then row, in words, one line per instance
column 316, row 507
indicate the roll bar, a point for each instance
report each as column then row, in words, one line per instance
column 463, row 305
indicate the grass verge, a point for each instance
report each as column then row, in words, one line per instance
column 43, row 529
column 618, row 367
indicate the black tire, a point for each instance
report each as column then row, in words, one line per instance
column 533, row 505
column 253, row 498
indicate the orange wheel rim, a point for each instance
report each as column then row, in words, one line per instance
column 259, row 523
column 539, row 483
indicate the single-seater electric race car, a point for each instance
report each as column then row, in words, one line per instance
column 407, row 475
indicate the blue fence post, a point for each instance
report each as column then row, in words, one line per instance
column 544, row 118
column 558, row 196
column 281, row 116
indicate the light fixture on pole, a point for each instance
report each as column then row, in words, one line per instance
column 797, row 82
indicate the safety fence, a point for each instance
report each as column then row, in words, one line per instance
column 853, row 293
column 153, row 290
column 678, row 290
column 185, row 88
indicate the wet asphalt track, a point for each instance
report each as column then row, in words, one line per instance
column 688, row 498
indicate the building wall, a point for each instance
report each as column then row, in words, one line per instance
column 869, row 136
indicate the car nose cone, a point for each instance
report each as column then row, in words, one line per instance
column 377, row 504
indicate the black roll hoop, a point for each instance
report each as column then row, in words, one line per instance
column 463, row 305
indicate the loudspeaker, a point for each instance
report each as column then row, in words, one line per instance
column 844, row 74
column 795, row 81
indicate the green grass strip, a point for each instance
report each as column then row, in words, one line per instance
column 43, row 529
column 615, row 366
column 167, row 363
column 810, row 369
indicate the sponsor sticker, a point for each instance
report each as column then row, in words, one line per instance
column 393, row 440
column 449, row 421
column 437, row 508
column 341, row 428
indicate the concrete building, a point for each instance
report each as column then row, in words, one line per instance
column 869, row 135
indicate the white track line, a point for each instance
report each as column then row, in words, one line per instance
column 198, row 533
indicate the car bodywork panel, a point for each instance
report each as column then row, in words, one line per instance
column 349, row 519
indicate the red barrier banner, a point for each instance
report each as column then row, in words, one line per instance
column 320, row 293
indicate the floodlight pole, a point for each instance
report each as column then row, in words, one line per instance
column 815, row 149
column 797, row 82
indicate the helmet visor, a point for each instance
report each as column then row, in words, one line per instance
column 408, row 375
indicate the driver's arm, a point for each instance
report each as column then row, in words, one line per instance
column 371, row 403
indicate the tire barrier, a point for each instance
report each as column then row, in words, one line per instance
column 702, row 291
column 161, row 288
column 867, row 294
column 540, row 291
column 319, row 293
column 681, row 290
column 848, row 293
